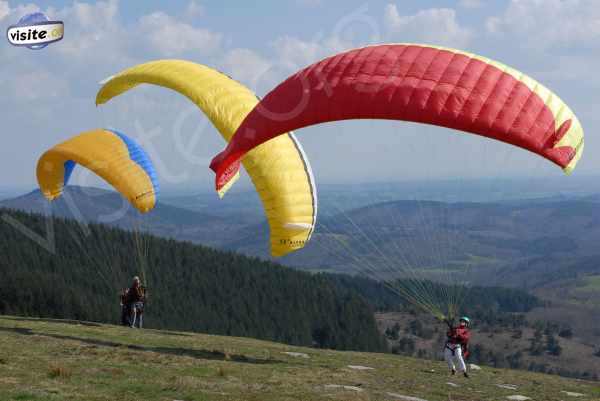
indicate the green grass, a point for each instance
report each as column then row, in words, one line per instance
column 57, row 360
column 590, row 284
column 585, row 292
column 477, row 259
column 341, row 238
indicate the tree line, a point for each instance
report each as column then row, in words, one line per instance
column 190, row 287
column 488, row 305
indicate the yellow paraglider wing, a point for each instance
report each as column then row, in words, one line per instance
column 279, row 169
column 112, row 156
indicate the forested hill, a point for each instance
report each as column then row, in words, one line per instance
column 191, row 287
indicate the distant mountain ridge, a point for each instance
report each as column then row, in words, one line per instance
column 108, row 207
column 462, row 232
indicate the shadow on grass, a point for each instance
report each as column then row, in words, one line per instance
column 178, row 351
column 51, row 320
column 84, row 323
column 170, row 333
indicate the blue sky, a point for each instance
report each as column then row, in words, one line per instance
column 48, row 95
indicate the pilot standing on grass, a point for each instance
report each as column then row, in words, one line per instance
column 136, row 296
column 456, row 349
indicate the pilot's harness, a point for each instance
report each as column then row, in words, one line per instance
column 448, row 344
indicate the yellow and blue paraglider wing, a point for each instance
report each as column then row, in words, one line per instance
column 113, row 156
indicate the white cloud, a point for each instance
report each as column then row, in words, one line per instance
column 554, row 41
column 245, row 66
column 4, row 9
column 14, row 14
column 549, row 23
column 435, row 25
column 193, row 10
column 36, row 86
column 92, row 34
column 356, row 28
column 471, row 4
column 91, row 17
column 296, row 51
column 170, row 37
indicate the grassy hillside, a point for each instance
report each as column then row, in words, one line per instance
column 201, row 289
column 63, row 360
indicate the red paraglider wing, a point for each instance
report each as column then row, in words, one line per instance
column 419, row 83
